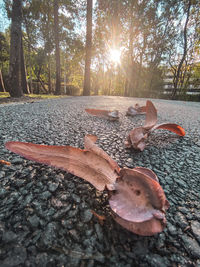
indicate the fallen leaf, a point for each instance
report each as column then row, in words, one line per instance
column 139, row 202
column 3, row 162
column 137, row 137
column 108, row 114
column 80, row 162
column 132, row 111
column 136, row 198
column 101, row 218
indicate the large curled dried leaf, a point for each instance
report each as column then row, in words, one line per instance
column 108, row 114
column 139, row 199
column 83, row 163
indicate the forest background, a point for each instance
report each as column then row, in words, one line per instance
column 136, row 48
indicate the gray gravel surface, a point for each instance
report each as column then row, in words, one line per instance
column 46, row 218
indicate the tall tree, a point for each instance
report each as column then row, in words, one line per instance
column 56, row 33
column 177, row 70
column 15, row 89
column 88, row 49
column 24, row 83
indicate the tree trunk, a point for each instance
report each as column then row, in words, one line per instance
column 129, row 78
column 88, row 48
column 2, row 87
column 65, row 78
column 24, row 84
column 49, row 75
column 15, row 89
column 56, row 33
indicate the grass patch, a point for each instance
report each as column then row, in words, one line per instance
column 6, row 94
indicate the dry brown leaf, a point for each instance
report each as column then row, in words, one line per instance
column 108, row 114
column 132, row 111
column 137, row 200
column 137, row 137
column 85, row 164
column 172, row 127
column 101, row 218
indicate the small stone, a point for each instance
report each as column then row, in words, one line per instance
column 76, row 198
column 172, row 229
column 74, row 234
column 49, row 236
column 86, row 216
column 191, row 246
column 17, row 161
column 2, row 174
column 9, row 237
column 42, row 259
column 3, row 192
column 180, row 219
column 99, row 231
column 157, row 260
column 52, row 187
column 45, row 195
column 17, row 257
column 34, row 221
column 195, row 225
column 61, row 213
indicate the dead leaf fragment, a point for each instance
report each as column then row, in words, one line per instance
column 4, row 162
column 108, row 114
column 101, row 218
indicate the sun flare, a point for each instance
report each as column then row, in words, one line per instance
column 115, row 55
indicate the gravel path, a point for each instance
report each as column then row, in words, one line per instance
column 46, row 218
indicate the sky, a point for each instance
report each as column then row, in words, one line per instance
column 4, row 22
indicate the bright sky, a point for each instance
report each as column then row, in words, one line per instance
column 4, row 22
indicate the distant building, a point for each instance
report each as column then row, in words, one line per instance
column 191, row 87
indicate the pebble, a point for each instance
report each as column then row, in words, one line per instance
column 195, row 225
column 86, row 216
column 191, row 246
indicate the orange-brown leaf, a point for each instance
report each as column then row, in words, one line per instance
column 3, row 162
column 101, row 218
column 172, row 127
column 82, row 163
